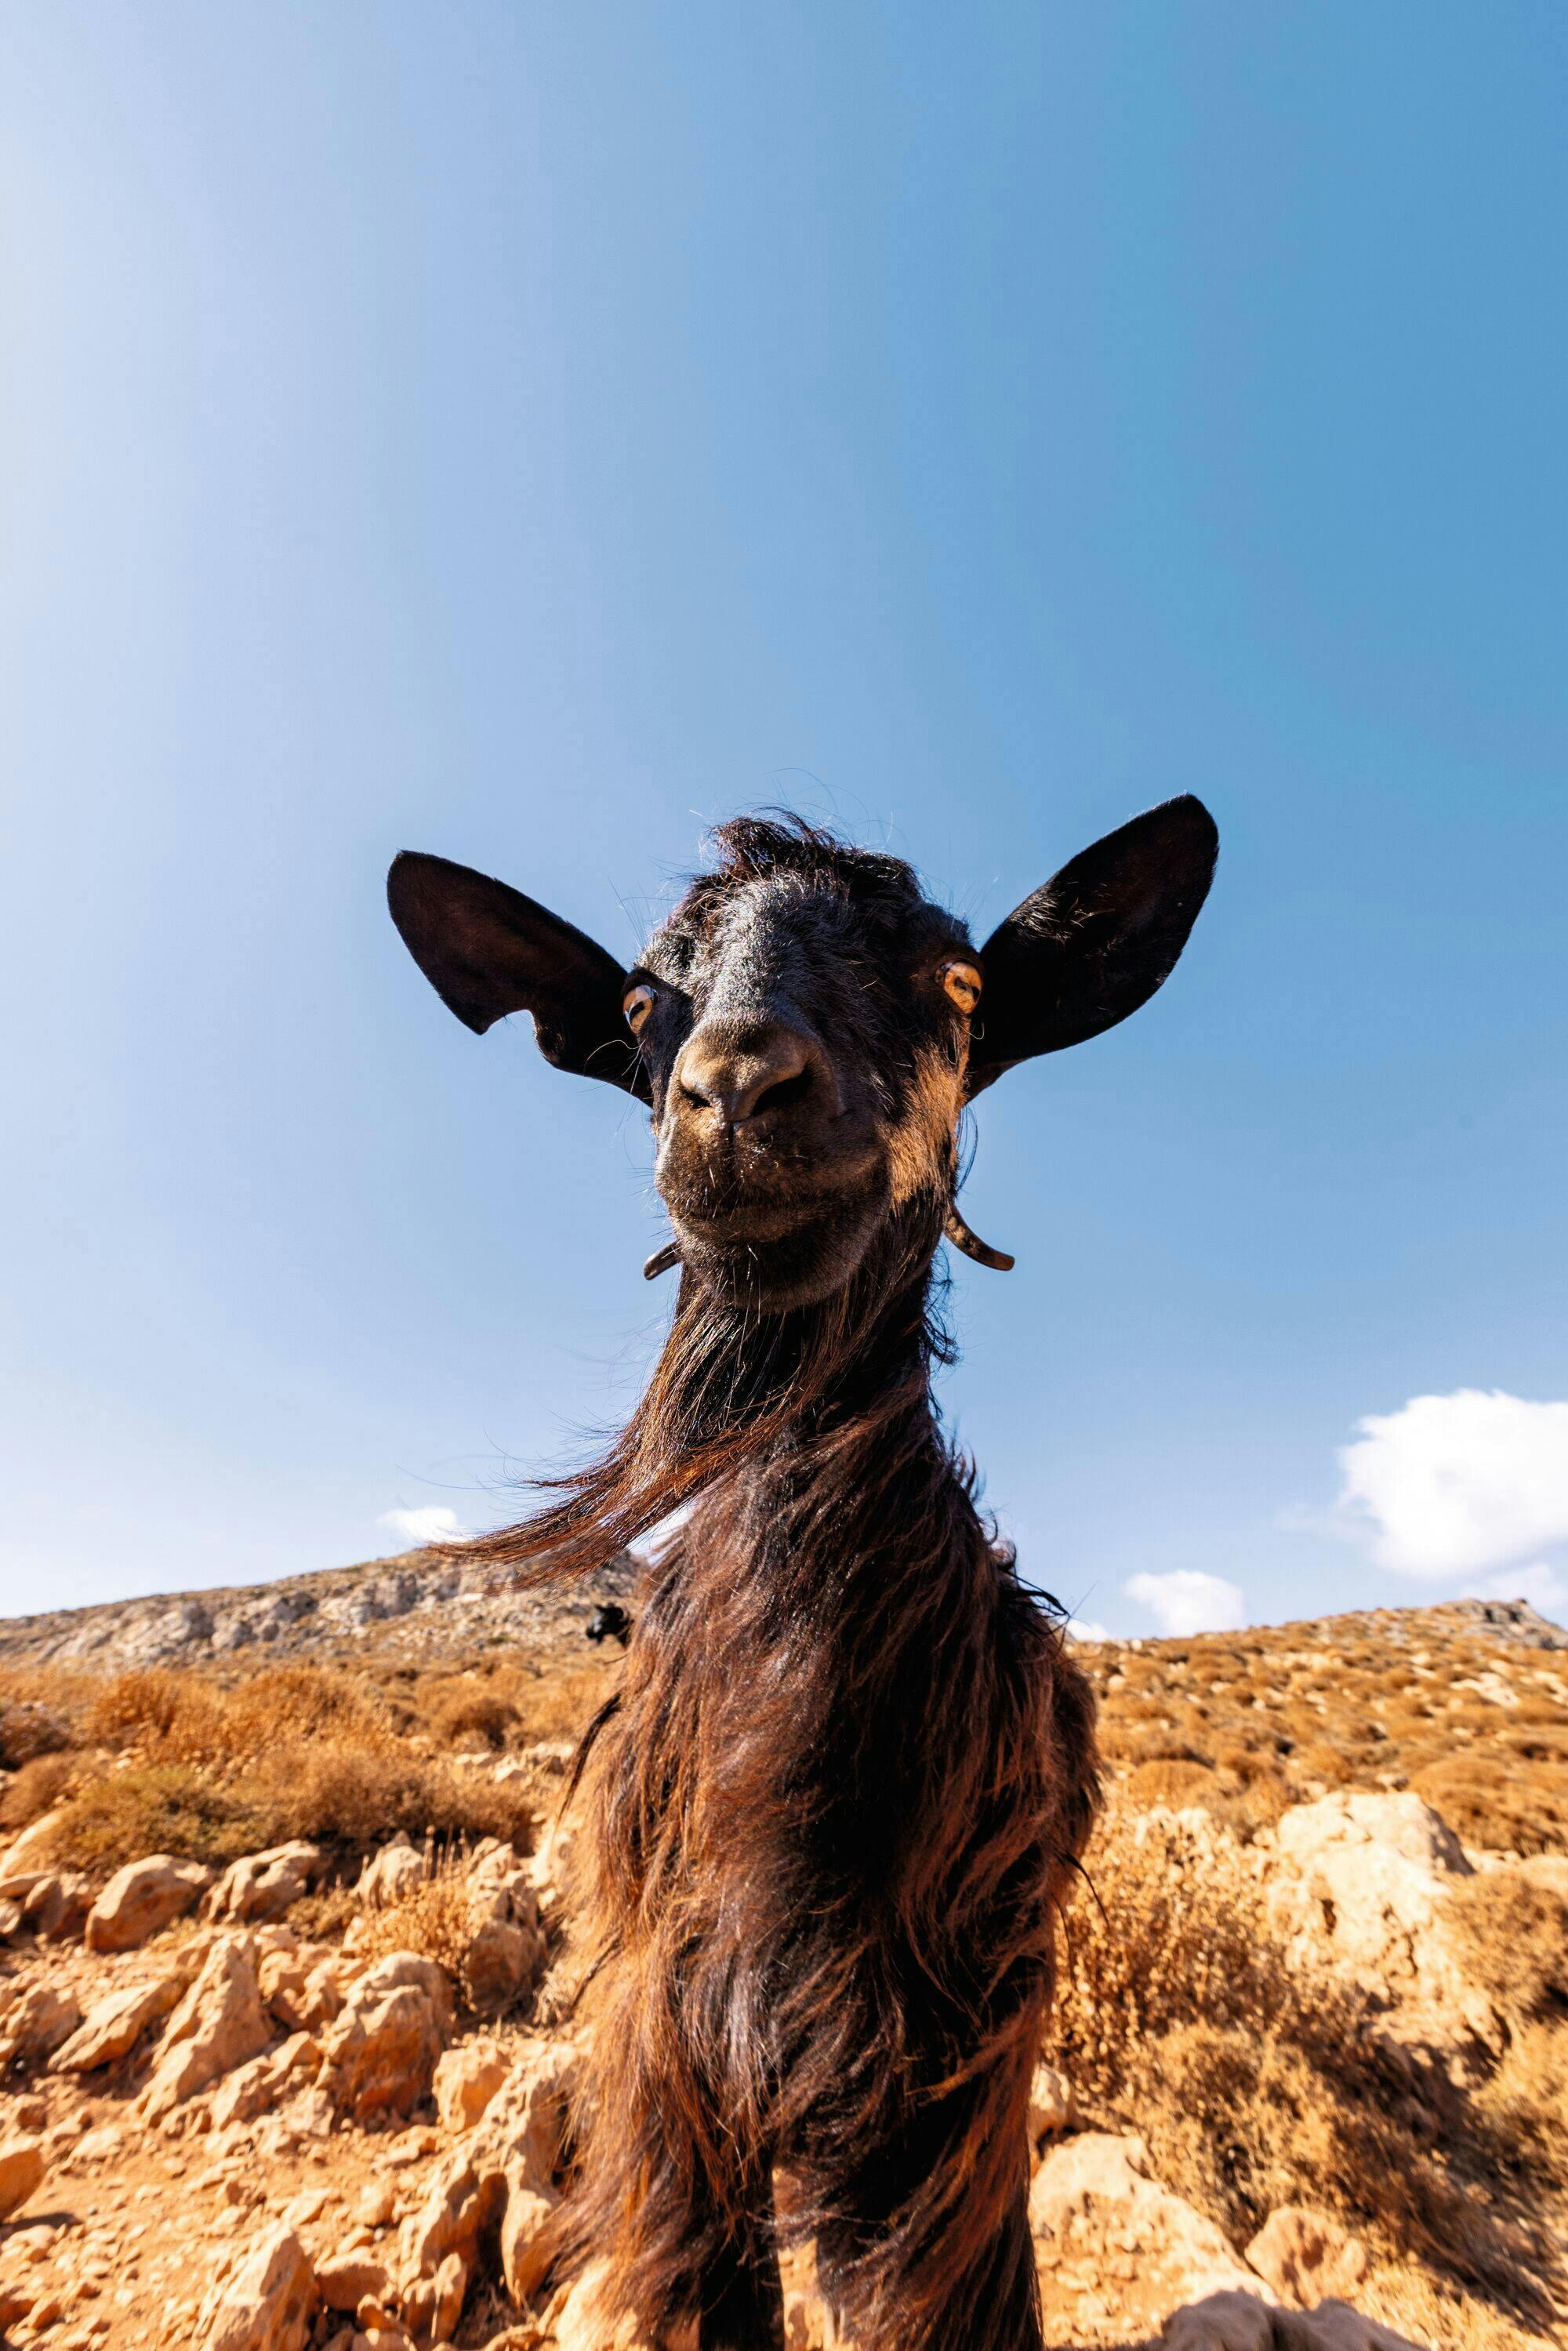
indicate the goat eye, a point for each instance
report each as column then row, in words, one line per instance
column 637, row 1003
column 962, row 984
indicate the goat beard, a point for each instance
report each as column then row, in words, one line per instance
column 734, row 1384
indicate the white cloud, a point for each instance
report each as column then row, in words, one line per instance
column 1537, row 1584
column 1078, row 1630
column 1186, row 1601
column 415, row 1527
column 1454, row 1485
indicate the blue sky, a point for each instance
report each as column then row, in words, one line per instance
column 533, row 432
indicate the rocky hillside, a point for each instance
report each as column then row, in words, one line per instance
column 287, row 2033
column 413, row 1606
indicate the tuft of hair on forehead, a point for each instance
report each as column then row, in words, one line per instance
column 777, row 843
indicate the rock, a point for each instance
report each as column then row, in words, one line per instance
column 1374, row 1876
column 264, row 1885
column 380, row 2054
column 1128, row 2251
column 390, row 1874
column 345, row 2280
column 578, row 2324
column 524, row 2126
column 141, row 1899
column 57, row 1907
column 1051, row 2105
column 256, row 2087
column 304, row 1988
column 411, row 1967
column 463, row 2200
column 527, row 2242
column 1306, row 2255
column 35, row 2023
column 434, row 2306
column 270, row 2303
column 1400, row 1824
column 466, row 2079
column 553, row 1868
column 501, row 1960
column 219, row 2025
column 21, row 2170
column 27, row 1856
column 112, row 2026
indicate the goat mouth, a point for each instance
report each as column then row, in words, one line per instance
column 779, row 1251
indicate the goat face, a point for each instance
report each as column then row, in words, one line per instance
column 808, row 1025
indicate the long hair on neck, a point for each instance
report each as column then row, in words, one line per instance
column 733, row 1385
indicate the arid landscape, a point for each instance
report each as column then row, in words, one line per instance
column 287, row 1973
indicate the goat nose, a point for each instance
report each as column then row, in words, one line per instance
column 742, row 1074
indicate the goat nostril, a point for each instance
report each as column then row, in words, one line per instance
column 782, row 1094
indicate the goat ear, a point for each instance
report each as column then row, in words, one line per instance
column 486, row 950
column 1091, row 945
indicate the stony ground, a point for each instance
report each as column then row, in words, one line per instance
column 286, row 1963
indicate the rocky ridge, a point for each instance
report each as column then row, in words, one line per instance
column 414, row 1606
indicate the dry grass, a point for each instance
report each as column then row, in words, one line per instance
column 208, row 1772
column 35, row 1788
column 1256, row 2085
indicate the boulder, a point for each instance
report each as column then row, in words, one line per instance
column 466, row 2079
column 553, row 1869
column 525, row 2243
column 578, row 2322
column 27, row 1855
column 264, row 1885
column 1051, row 2108
column 35, row 2022
column 21, row 2170
column 256, row 2087
column 1306, row 2255
column 141, row 1899
column 57, row 1907
column 219, row 2025
column 345, row 2280
column 463, row 2200
column 305, row 1988
column 524, row 2128
column 500, row 1962
column 390, row 1874
column 380, row 2053
column 270, row 2303
column 112, row 2026
column 1117, row 2248
column 434, row 2306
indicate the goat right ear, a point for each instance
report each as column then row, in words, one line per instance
column 486, row 950
column 1096, row 940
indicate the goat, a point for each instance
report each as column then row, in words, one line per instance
column 841, row 1791
column 609, row 1622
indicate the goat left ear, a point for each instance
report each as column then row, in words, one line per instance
column 1082, row 953
column 486, row 950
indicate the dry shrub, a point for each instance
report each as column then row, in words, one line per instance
column 35, row 1788
column 1496, row 1805
column 1256, row 2085
column 296, row 1751
column 30, row 1728
column 1512, row 1936
column 183, row 1718
column 434, row 1918
column 468, row 1709
column 173, row 1808
column 1163, row 1780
